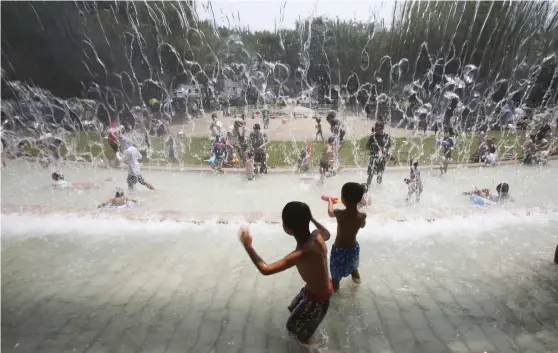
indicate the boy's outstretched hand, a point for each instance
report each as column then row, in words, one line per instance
column 245, row 237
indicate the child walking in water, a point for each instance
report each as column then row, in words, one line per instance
column 345, row 253
column 131, row 158
column 310, row 306
column 414, row 183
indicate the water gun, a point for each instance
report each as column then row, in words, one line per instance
column 335, row 200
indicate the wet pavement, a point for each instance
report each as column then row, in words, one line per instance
column 195, row 290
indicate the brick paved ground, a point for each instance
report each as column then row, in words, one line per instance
column 196, row 291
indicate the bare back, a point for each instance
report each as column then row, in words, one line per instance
column 349, row 222
column 313, row 265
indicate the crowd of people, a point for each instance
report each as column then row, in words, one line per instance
column 234, row 147
column 310, row 256
column 311, row 304
column 130, row 158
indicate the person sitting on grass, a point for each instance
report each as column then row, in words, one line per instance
column 490, row 157
column 220, row 155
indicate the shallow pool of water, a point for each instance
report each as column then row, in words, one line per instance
column 26, row 184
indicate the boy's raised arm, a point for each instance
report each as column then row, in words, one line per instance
column 323, row 230
column 330, row 210
column 285, row 263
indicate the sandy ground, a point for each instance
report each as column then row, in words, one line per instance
column 288, row 128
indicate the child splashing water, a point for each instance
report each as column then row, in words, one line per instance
column 310, row 306
column 345, row 253
column 414, row 183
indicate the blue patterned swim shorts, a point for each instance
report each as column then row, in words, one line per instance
column 343, row 262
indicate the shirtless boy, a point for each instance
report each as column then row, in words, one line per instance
column 345, row 253
column 310, row 306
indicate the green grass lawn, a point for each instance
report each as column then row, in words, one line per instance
column 285, row 153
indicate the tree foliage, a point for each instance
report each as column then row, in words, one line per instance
column 142, row 49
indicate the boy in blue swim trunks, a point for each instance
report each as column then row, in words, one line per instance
column 310, row 306
column 345, row 253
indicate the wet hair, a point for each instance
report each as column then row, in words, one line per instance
column 57, row 176
column 331, row 139
column 213, row 116
column 379, row 125
column 296, row 216
column 503, row 187
column 118, row 192
column 352, row 193
column 257, row 127
column 413, row 162
column 330, row 115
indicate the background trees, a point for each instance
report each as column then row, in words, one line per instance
column 142, row 49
